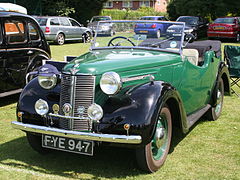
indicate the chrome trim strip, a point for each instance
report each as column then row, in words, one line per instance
column 68, row 117
column 219, row 32
column 134, row 78
column 132, row 139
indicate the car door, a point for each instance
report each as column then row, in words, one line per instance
column 17, row 52
column 196, row 84
column 3, row 58
column 76, row 29
column 66, row 27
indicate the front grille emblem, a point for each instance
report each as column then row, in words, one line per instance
column 67, row 108
column 55, row 108
column 80, row 110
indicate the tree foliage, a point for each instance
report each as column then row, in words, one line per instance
column 206, row 8
column 82, row 10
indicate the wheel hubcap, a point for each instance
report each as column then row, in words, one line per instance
column 160, row 139
column 219, row 102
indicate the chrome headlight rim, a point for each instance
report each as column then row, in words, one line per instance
column 97, row 108
column 38, row 105
column 113, row 77
column 53, row 79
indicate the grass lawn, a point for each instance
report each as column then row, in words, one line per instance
column 211, row 150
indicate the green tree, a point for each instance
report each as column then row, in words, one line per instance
column 205, row 8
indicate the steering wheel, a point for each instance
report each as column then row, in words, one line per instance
column 119, row 42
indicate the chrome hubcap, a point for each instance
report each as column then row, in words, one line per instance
column 219, row 102
column 159, row 136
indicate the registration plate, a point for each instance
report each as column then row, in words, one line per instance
column 67, row 144
column 143, row 31
column 218, row 28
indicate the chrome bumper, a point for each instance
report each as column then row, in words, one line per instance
column 132, row 139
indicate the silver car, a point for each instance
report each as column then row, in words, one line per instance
column 61, row 29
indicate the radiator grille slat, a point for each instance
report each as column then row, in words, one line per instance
column 77, row 90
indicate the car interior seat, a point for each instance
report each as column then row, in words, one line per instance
column 192, row 55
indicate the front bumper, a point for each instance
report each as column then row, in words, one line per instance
column 131, row 139
column 219, row 34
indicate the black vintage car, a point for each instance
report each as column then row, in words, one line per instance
column 22, row 49
column 195, row 25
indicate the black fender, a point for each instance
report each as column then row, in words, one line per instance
column 29, row 95
column 139, row 107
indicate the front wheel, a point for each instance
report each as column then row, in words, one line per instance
column 152, row 156
column 215, row 111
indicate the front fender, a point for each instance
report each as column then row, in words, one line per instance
column 30, row 94
column 138, row 107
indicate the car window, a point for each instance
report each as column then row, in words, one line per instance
column 15, row 31
column 188, row 20
column 100, row 19
column 74, row 23
column 224, row 20
column 64, row 22
column 54, row 22
column 33, row 32
column 42, row 21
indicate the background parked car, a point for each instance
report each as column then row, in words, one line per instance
column 225, row 27
column 152, row 29
column 22, row 49
column 104, row 29
column 193, row 25
column 61, row 29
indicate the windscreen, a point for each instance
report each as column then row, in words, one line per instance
column 41, row 21
column 139, row 34
column 224, row 20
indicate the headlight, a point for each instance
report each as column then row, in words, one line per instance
column 41, row 107
column 110, row 83
column 188, row 30
column 95, row 112
column 47, row 82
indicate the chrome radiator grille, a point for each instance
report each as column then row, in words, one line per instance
column 77, row 90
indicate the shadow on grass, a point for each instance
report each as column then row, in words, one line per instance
column 108, row 162
column 9, row 100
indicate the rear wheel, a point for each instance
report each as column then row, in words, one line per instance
column 152, row 156
column 35, row 141
column 60, row 39
column 215, row 111
column 86, row 37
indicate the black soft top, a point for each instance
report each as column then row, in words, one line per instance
column 205, row 45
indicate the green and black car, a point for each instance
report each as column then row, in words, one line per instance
column 128, row 90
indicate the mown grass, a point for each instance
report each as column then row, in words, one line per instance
column 211, row 150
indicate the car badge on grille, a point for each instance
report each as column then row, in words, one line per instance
column 55, row 108
column 67, row 108
column 80, row 110
column 74, row 70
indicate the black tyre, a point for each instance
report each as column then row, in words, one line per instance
column 35, row 142
column 86, row 37
column 60, row 40
column 215, row 111
column 152, row 156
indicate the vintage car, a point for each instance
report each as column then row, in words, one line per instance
column 225, row 27
column 128, row 90
column 152, row 29
column 23, row 48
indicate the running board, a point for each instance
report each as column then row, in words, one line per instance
column 10, row 93
column 197, row 115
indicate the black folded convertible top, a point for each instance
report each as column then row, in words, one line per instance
column 205, row 45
